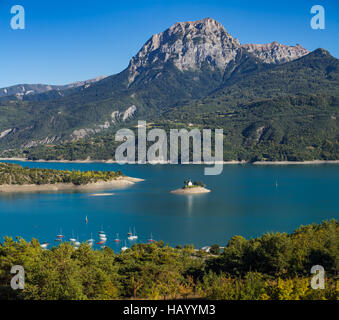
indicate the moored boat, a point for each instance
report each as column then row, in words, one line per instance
column 151, row 239
column 124, row 248
column 60, row 235
column 44, row 245
column 72, row 239
column 90, row 241
column 133, row 235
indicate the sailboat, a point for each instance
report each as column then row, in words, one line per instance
column 44, row 245
column 90, row 241
column 77, row 243
column 60, row 235
column 125, row 247
column 132, row 236
column 129, row 233
column 151, row 240
column 135, row 234
column 72, row 239
column 102, row 236
column 117, row 238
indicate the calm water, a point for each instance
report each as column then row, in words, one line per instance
column 244, row 200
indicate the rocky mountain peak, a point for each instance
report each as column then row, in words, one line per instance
column 194, row 44
column 187, row 45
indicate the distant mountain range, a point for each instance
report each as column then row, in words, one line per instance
column 274, row 101
column 19, row 91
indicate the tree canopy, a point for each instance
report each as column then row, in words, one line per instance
column 273, row 266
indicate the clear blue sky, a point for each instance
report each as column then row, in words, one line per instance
column 70, row 40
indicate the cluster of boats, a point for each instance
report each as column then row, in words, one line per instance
column 102, row 240
column 131, row 236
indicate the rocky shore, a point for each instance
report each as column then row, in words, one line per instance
column 193, row 190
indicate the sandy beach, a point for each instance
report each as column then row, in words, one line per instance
column 120, row 182
column 195, row 190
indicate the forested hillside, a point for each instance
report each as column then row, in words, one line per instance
column 276, row 266
column 284, row 112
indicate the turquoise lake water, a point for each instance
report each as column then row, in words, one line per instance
column 246, row 200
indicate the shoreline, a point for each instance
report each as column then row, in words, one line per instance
column 297, row 162
column 101, row 185
column 195, row 190
column 306, row 162
column 58, row 161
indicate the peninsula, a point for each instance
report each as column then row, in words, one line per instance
column 192, row 188
column 15, row 178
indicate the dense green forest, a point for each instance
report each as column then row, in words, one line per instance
column 286, row 129
column 274, row 266
column 16, row 174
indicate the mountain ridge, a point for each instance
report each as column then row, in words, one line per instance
column 192, row 66
column 191, row 45
column 20, row 90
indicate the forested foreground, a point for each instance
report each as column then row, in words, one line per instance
column 14, row 174
column 275, row 266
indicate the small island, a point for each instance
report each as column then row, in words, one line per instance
column 192, row 188
column 15, row 178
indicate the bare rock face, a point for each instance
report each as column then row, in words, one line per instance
column 275, row 52
column 118, row 116
column 188, row 45
column 5, row 133
column 46, row 140
column 191, row 45
column 129, row 113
